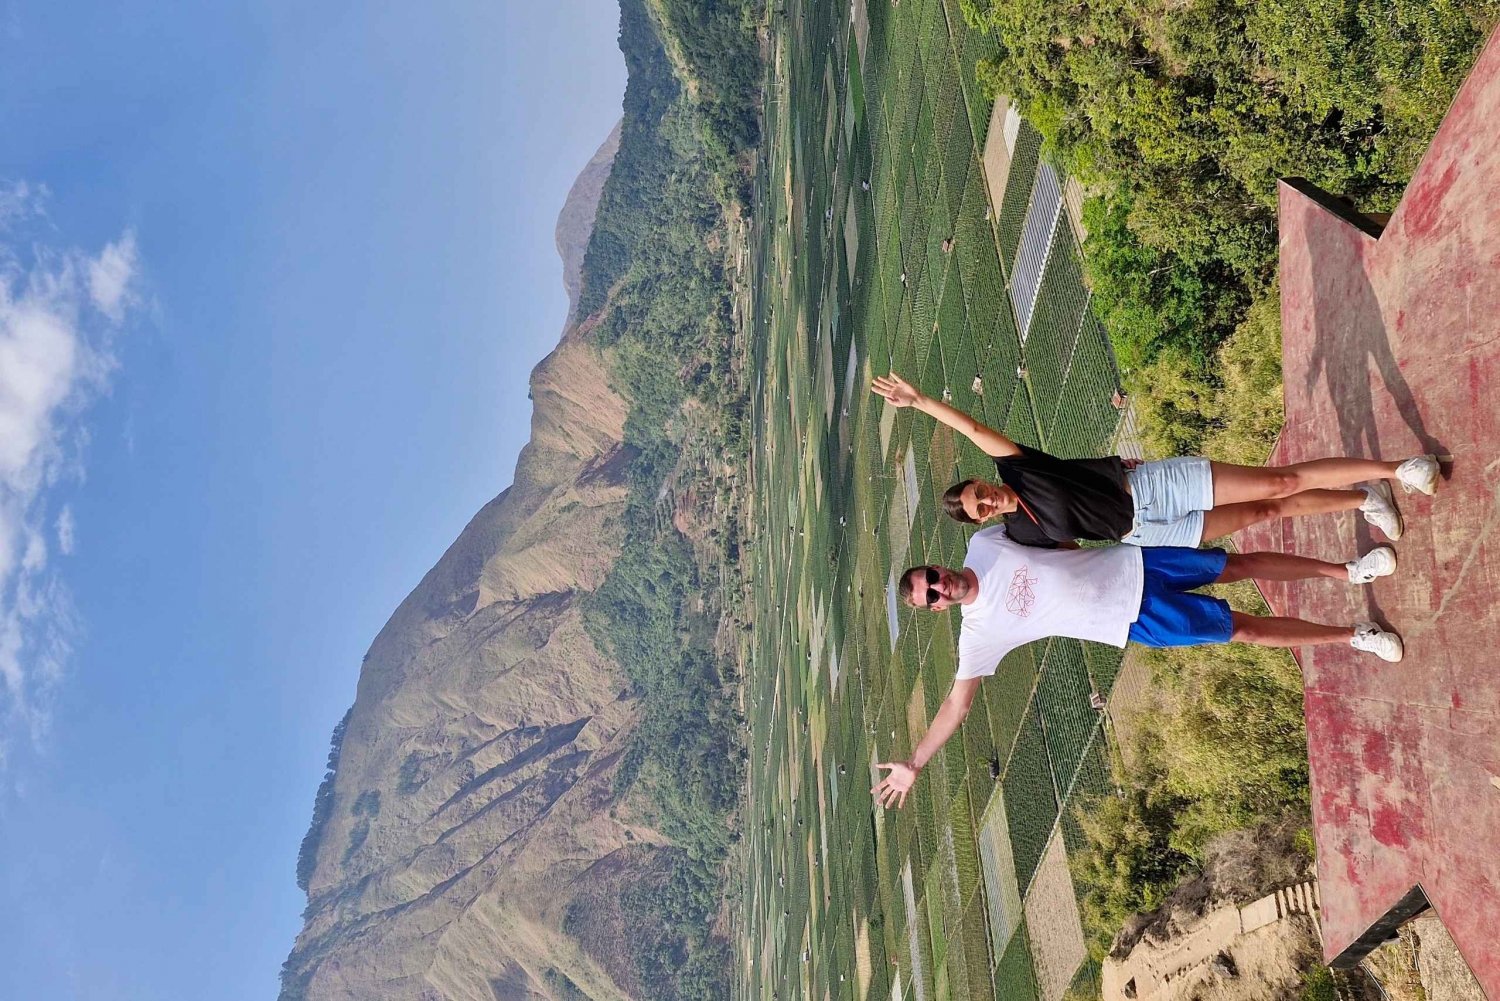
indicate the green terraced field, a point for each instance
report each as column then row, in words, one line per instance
column 966, row 892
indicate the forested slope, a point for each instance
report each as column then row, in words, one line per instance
column 655, row 278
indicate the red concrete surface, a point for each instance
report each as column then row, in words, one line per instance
column 1392, row 348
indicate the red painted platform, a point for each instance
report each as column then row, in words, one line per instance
column 1391, row 348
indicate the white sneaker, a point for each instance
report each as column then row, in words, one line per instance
column 1378, row 562
column 1370, row 638
column 1379, row 509
column 1420, row 473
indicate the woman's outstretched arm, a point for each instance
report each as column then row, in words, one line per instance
column 899, row 393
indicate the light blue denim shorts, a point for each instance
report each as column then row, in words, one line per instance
column 1170, row 498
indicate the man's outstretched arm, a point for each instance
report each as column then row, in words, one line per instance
column 903, row 774
column 900, row 393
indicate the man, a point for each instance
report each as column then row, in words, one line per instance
column 1046, row 501
column 1010, row 594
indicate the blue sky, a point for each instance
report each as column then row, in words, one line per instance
column 274, row 275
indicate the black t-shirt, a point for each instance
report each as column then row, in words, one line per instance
column 1070, row 498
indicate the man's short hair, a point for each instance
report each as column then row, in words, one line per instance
column 908, row 586
column 953, row 502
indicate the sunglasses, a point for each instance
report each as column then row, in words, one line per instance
column 932, row 578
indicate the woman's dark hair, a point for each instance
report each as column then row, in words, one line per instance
column 953, row 502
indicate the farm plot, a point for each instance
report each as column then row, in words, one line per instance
column 882, row 243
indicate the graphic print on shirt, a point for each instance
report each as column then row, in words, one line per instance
column 1019, row 597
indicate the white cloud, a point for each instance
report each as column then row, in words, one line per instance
column 110, row 277
column 20, row 200
column 39, row 362
column 67, row 531
column 60, row 310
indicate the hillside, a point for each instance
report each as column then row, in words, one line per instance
column 575, row 223
column 531, row 795
column 474, row 786
column 473, row 796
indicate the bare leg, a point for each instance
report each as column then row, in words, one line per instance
column 1278, row 566
column 1237, row 484
column 1273, row 630
column 1233, row 517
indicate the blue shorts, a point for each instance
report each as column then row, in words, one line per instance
column 1170, row 616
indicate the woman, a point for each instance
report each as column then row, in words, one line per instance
column 1047, row 501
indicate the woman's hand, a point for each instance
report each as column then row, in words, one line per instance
column 1130, row 463
column 896, row 390
column 899, row 393
column 894, row 787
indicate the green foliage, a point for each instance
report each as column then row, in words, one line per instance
column 650, row 92
column 1318, row 985
column 410, row 778
column 1130, row 864
column 1194, row 110
column 1304, row 842
column 684, row 746
column 357, row 837
column 307, row 854
column 1182, row 116
column 1151, row 299
column 676, row 956
column 673, row 149
column 562, row 985
column 1233, row 418
column 1248, row 400
column 716, row 41
column 1225, row 749
column 1231, row 743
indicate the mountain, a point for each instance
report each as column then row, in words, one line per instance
column 472, row 800
column 534, row 793
column 575, row 223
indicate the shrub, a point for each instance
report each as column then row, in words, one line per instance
column 307, row 853
column 1224, row 749
column 1233, row 415
column 1180, row 117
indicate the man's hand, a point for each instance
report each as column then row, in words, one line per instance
column 896, row 390
column 1130, row 463
column 894, row 787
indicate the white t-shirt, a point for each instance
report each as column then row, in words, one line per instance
column 1026, row 594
